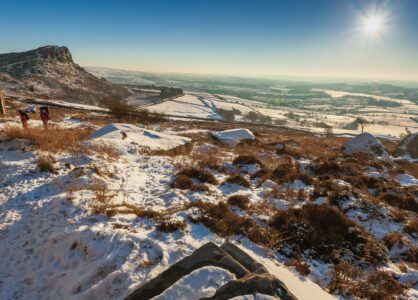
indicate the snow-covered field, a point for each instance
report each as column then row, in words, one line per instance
column 389, row 121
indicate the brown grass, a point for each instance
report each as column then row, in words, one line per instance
column 393, row 238
column 399, row 200
column 225, row 223
column 238, row 180
column 240, row 201
column 247, row 160
column 412, row 228
column 171, row 225
column 321, row 228
column 53, row 139
column 46, row 164
column 182, row 182
column 351, row 281
column 202, row 175
column 300, row 266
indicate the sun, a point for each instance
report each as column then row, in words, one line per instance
column 372, row 25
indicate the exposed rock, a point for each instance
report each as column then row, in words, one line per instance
column 233, row 136
column 253, row 283
column 49, row 72
column 365, row 143
column 251, row 276
column 207, row 255
column 409, row 146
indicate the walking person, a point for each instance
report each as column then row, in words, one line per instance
column 24, row 118
column 45, row 116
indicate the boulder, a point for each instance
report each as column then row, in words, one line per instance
column 365, row 143
column 233, row 136
column 409, row 146
column 251, row 276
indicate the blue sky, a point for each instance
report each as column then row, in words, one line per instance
column 247, row 37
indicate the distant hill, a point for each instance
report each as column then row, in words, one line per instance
column 49, row 72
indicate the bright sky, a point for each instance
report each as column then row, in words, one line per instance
column 331, row 38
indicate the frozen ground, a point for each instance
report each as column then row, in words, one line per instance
column 53, row 245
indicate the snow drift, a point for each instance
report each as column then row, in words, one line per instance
column 119, row 134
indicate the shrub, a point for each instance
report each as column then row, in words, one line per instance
column 321, row 228
column 393, row 238
column 380, row 285
column 411, row 255
column 118, row 106
column 227, row 115
column 351, row 281
column 171, row 225
column 401, row 201
column 300, row 266
column 262, row 173
column 182, row 182
column 247, row 160
column 200, row 187
column 46, row 164
column 238, row 180
column 223, row 222
column 240, row 201
column 201, row 175
column 411, row 227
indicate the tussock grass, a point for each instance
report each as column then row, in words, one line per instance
column 220, row 219
column 53, row 139
column 240, row 201
column 46, row 164
column 320, row 228
column 171, row 225
column 238, row 180
column 300, row 266
column 201, row 175
column 351, row 281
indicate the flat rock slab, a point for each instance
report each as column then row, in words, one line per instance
column 251, row 276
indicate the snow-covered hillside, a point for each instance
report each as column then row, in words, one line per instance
column 84, row 220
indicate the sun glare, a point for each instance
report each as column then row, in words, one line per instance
column 372, row 25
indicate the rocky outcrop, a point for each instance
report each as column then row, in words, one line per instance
column 49, row 72
column 251, row 276
column 365, row 143
column 409, row 146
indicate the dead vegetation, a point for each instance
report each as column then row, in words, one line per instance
column 220, row 219
column 201, row 175
column 123, row 111
column 300, row 266
column 171, row 225
column 46, row 164
column 247, row 160
column 322, row 230
column 53, row 140
column 238, row 180
column 351, row 281
column 240, row 201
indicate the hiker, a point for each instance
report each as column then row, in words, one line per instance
column 44, row 114
column 24, row 117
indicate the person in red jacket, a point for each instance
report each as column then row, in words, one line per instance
column 45, row 116
column 24, row 117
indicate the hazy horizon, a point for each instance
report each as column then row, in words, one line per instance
column 326, row 40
